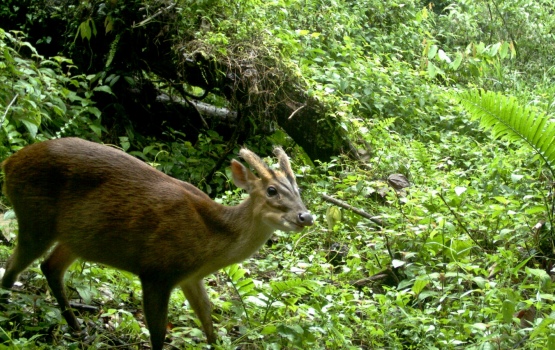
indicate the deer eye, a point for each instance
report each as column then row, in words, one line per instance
column 271, row 191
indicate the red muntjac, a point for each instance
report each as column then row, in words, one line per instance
column 94, row 202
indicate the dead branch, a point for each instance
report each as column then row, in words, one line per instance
column 358, row 211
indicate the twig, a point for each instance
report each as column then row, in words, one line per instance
column 505, row 25
column 84, row 307
column 358, row 211
column 387, row 245
column 521, row 342
column 231, row 146
column 296, row 110
column 459, row 221
column 190, row 103
column 8, row 108
column 142, row 23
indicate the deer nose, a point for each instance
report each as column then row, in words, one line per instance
column 305, row 219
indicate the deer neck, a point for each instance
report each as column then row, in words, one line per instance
column 243, row 231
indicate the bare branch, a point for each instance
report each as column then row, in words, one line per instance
column 358, row 211
column 296, row 110
column 8, row 108
column 142, row 23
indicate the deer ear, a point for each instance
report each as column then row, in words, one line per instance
column 242, row 177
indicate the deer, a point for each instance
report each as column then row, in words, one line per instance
column 77, row 199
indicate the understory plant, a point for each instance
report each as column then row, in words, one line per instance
column 507, row 118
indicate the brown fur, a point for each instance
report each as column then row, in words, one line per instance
column 97, row 203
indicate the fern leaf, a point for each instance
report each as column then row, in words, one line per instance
column 295, row 287
column 508, row 119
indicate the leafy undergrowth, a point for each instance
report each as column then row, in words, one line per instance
column 463, row 260
column 463, row 257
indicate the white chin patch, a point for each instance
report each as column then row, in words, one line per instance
column 288, row 226
column 284, row 225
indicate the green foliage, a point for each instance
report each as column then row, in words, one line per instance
column 40, row 99
column 527, row 24
column 356, row 58
column 350, row 59
column 465, row 256
column 507, row 118
column 476, row 62
column 86, row 30
column 183, row 160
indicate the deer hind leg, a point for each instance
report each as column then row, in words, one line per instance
column 54, row 268
column 30, row 246
column 198, row 299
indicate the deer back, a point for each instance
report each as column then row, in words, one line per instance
column 112, row 208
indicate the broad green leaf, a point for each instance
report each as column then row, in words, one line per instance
column 432, row 52
column 104, row 88
column 96, row 129
column 457, row 62
column 508, row 309
column 108, row 24
column 84, row 292
column 85, row 30
column 419, row 285
column 551, row 342
column 94, row 111
column 494, row 49
column 542, row 328
column 31, row 127
column 504, row 50
column 535, row 209
column 269, row 329
column 432, row 70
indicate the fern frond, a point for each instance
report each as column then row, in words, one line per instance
column 508, row 119
column 295, row 287
column 236, row 276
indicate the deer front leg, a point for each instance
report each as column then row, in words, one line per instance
column 196, row 295
column 156, row 296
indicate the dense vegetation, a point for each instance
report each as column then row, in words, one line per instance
column 462, row 258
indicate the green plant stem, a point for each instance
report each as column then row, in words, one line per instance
column 240, row 298
column 459, row 221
